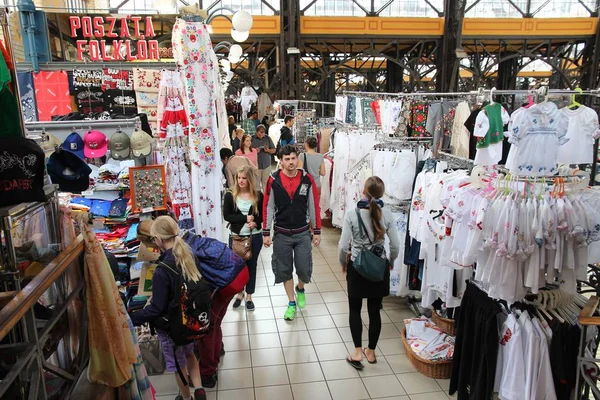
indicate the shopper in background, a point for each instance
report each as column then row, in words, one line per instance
column 232, row 128
column 266, row 148
column 231, row 164
column 378, row 222
column 286, row 138
column 249, row 124
column 246, row 150
column 176, row 254
column 290, row 203
column 313, row 162
column 242, row 208
column 265, row 121
column 237, row 140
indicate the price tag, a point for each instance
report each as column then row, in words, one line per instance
column 87, row 193
column 147, row 210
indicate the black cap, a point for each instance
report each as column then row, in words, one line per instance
column 69, row 172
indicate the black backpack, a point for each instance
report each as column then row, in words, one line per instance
column 188, row 316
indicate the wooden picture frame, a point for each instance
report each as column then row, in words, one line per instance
column 148, row 188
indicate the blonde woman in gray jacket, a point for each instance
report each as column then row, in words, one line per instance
column 378, row 223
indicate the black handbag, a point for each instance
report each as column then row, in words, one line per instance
column 369, row 263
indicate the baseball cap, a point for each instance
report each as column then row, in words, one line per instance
column 50, row 144
column 141, row 143
column 74, row 144
column 119, row 146
column 68, row 171
column 95, row 144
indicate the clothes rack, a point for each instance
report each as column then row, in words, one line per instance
column 455, row 162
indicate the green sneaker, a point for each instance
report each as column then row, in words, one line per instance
column 290, row 313
column 301, row 298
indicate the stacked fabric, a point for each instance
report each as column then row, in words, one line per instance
column 113, row 240
column 108, row 177
column 428, row 341
column 132, row 244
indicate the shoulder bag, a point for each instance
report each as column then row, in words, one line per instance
column 368, row 264
column 242, row 246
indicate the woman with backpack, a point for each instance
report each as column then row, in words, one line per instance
column 242, row 208
column 366, row 265
column 176, row 256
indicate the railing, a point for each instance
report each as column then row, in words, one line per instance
column 33, row 350
column 588, row 365
column 435, row 8
column 254, row 7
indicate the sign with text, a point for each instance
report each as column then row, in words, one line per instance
column 114, row 38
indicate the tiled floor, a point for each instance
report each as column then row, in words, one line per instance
column 269, row 358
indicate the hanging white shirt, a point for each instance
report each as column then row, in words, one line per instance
column 583, row 124
column 512, row 382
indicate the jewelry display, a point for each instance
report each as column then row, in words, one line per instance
column 148, row 188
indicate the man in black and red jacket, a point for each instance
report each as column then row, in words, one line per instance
column 291, row 203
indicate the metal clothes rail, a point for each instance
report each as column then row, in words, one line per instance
column 590, row 92
column 128, row 65
column 81, row 124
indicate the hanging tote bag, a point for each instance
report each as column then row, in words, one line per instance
column 368, row 263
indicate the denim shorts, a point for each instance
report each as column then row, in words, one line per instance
column 291, row 251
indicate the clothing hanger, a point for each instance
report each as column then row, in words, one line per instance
column 542, row 308
column 574, row 103
column 530, row 100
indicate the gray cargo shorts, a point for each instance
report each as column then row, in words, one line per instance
column 289, row 251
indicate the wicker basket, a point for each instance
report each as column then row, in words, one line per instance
column 445, row 324
column 432, row 369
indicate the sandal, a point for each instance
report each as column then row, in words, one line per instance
column 369, row 361
column 355, row 364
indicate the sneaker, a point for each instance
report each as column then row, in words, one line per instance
column 250, row 305
column 199, row 394
column 237, row 303
column 209, row 381
column 301, row 297
column 290, row 313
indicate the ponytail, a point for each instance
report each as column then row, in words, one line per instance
column 374, row 189
column 186, row 260
column 375, row 213
column 166, row 228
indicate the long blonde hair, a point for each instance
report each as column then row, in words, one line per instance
column 166, row 228
column 246, row 170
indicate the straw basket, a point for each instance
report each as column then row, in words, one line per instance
column 432, row 369
column 445, row 324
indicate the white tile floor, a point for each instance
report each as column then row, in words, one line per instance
column 269, row 358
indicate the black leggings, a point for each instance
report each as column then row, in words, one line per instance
column 374, row 308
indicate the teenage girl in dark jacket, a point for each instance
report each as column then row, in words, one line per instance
column 242, row 208
column 176, row 254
